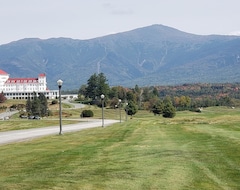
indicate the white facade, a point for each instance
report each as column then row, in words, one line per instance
column 23, row 88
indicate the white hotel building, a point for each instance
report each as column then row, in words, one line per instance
column 23, row 88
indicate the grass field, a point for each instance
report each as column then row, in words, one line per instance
column 190, row 151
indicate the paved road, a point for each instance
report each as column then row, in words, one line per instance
column 75, row 105
column 23, row 135
column 7, row 114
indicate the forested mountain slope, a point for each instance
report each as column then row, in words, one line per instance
column 153, row 55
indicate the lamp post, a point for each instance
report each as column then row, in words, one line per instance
column 126, row 110
column 102, row 99
column 60, row 82
column 116, row 110
column 119, row 101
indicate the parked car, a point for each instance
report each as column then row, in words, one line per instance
column 37, row 117
column 31, row 117
column 23, row 116
column 34, row 117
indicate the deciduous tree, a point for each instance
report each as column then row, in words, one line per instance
column 2, row 98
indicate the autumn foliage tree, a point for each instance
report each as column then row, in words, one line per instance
column 2, row 98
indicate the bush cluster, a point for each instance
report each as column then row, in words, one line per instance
column 87, row 113
column 54, row 102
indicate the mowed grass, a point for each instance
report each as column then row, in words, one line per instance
column 190, row 151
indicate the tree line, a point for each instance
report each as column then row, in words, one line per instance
column 165, row 100
column 160, row 100
column 131, row 99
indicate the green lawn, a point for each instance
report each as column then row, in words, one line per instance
column 190, row 151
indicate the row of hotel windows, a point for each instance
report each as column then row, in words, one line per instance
column 37, row 84
column 18, row 89
column 29, row 95
column 18, row 81
column 26, row 94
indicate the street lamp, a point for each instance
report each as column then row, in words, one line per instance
column 102, row 99
column 60, row 82
column 126, row 109
column 120, row 109
column 116, row 106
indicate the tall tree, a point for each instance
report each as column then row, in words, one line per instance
column 97, row 85
column 131, row 96
column 92, row 85
column 113, row 93
column 29, row 106
column 43, row 105
column 103, row 87
column 35, row 105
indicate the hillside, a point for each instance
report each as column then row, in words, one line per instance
column 153, row 55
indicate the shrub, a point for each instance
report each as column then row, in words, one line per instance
column 50, row 113
column 169, row 111
column 54, row 102
column 87, row 113
column 3, row 107
column 13, row 107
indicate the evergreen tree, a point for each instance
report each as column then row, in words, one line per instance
column 92, row 85
column 103, row 87
column 97, row 85
column 131, row 108
column 158, row 108
column 35, row 105
column 131, row 96
column 29, row 106
column 43, row 105
column 169, row 110
column 113, row 93
column 38, row 106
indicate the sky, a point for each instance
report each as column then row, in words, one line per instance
column 86, row 19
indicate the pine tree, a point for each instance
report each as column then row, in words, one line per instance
column 97, row 85
column 92, row 85
column 29, row 106
column 169, row 110
column 38, row 106
column 131, row 108
column 43, row 105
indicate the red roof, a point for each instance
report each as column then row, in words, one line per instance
column 42, row 75
column 3, row 72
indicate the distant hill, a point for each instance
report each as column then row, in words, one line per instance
column 153, row 55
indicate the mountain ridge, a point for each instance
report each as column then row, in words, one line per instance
column 152, row 55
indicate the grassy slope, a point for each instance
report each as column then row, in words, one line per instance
column 191, row 151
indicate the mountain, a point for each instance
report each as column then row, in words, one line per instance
column 153, row 55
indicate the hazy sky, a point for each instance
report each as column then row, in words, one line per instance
column 84, row 19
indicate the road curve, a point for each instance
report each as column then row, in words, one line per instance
column 23, row 135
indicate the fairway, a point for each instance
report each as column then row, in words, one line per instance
column 190, row 151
